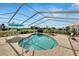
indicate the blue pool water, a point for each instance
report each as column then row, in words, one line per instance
column 38, row 42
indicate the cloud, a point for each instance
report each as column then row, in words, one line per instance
column 56, row 9
column 76, row 5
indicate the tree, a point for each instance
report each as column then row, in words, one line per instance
column 34, row 27
column 60, row 29
column 40, row 30
column 67, row 30
column 74, row 30
column 53, row 28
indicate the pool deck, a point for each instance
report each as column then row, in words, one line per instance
column 66, row 47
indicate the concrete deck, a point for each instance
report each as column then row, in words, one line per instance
column 66, row 47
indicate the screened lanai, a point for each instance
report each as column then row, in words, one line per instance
column 51, row 35
column 38, row 14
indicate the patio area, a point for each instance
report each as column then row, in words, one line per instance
column 66, row 47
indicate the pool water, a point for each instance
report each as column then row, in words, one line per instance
column 38, row 42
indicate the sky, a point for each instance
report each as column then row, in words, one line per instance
column 30, row 9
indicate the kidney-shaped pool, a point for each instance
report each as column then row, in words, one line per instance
column 38, row 42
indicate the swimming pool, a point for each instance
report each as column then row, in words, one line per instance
column 38, row 42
